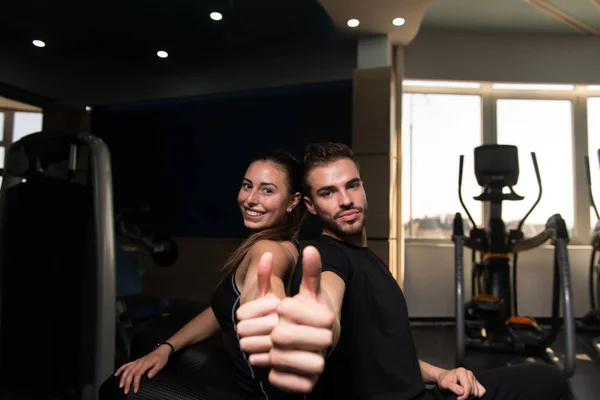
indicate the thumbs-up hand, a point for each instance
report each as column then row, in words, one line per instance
column 258, row 317
column 304, row 331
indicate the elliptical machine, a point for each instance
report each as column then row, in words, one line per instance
column 592, row 318
column 490, row 319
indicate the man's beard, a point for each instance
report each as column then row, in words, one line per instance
column 348, row 230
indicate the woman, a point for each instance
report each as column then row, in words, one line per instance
column 271, row 206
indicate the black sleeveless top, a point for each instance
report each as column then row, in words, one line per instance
column 253, row 382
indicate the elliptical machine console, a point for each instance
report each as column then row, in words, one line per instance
column 490, row 319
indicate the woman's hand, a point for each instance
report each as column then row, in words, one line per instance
column 133, row 371
column 257, row 318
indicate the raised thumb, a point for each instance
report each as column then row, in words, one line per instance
column 311, row 272
column 265, row 265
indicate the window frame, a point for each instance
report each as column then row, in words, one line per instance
column 489, row 96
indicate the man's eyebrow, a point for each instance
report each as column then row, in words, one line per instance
column 322, row 188
column 332, row 187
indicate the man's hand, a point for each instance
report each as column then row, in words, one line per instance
column 257, row 318
column 461, row 382
column 304, row 331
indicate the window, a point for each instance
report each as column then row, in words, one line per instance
column 442, row 120
column 543, row 127
column 26, row 123
column 594, row 146
column 436, row 130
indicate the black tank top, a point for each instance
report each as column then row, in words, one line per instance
column 253, row 381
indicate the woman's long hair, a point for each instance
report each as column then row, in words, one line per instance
column 290, row 227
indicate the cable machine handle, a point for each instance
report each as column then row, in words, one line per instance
column 458, row 238
column 460, row 174
column 569, row 320
column 557, row 230
column 539, row 181
column 588, row 178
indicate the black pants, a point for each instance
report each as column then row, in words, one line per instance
column 530, row 381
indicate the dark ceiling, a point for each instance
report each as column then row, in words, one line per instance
column 134, row 30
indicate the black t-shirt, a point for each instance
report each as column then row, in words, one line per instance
column 375, row 357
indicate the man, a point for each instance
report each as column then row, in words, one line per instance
column 345, row 333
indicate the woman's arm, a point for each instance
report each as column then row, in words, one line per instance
column 201, row 327
column 198, row 329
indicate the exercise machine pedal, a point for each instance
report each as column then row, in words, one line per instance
column 483, row 306
column 591, row 318
column 484, row 319
column 525, row 330
column 487, row 302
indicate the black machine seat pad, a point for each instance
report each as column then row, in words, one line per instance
column 48, row 266
column 201, row 372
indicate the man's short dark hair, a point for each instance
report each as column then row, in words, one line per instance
column 319, row 154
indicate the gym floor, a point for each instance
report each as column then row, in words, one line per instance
column 436, row 343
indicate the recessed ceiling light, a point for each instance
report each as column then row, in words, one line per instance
column 398, row 21
column 88, row 108
column 353, row 23
column 162, row 54
column 38, row 43
column 216, row 16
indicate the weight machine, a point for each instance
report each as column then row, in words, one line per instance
column 490, row 320
column 57, row 265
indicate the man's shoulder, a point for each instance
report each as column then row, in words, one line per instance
column 331, row 251
column 333, row 259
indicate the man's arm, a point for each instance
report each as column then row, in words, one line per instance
column 333, row 288
column 430, row 373
column 460, row 381
column 309, row 325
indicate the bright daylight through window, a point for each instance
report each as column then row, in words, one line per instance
column 543, row 127
column 443, row 120
column 26, row 123
column 437, row 129
column 14, row 125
